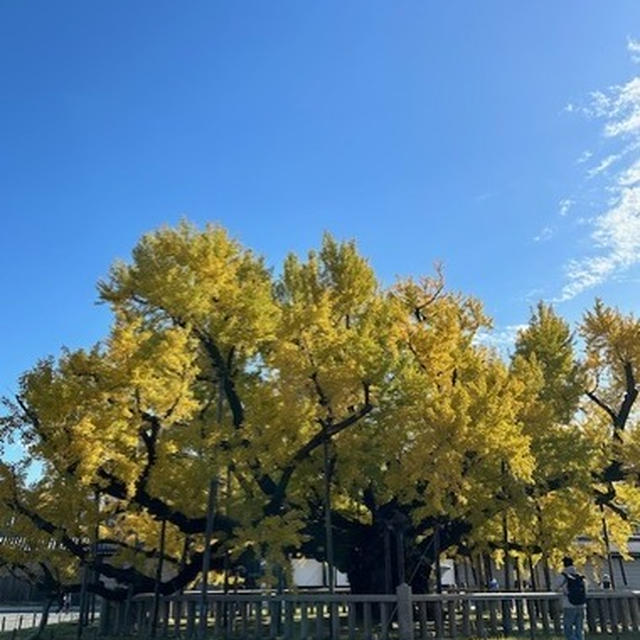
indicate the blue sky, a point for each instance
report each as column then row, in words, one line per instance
column 499, row 137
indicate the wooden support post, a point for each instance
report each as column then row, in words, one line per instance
column 424, row 626
column 405, row 612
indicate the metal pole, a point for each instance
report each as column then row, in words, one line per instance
column 227, row 553
column 388, row 585
column 436, row 551
column 507, row 561
column 506, row 604
column 400, row 555
column 547, row 571
column 156, row 588
column 623, row 572
column 605, row 532
column 206, row 558
column 327, row 510
column 96, row 575
column 83, row 598
column 482, row 579
column 488, row 566
column 467, row 576
column 208, row 534
column 532, row 572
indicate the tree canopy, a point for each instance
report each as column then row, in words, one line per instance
column 312, row 395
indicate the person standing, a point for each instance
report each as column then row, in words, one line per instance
column 574, row 600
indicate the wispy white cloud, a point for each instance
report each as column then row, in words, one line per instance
column 616, row 236
column 537, row 293
column 614, row 232
column 633, row 47
column 584, row 156
column 603, row 165
column 630, row 176
column 565, row 204
column 546, row 233
column 501, row 339
column 621, row 108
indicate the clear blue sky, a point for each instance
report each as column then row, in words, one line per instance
column 459, row 131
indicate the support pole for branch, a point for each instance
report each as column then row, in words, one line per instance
column 387, row 558
column 532, row 573
column 206, row 558
column 436, row 552
column 547, row 571
column 623, row 572
column 399, row 524
column 507, row 560
column 327, row 511
column 605, row 533
column 208, row 534
column 83, row 602
column 505, row 532
column 227, row 553
column 156, row 588
column 506, row 604
column 482, row 579
column 96, row 574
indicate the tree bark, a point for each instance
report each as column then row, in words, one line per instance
column 46, row 607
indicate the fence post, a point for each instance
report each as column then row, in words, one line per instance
column 104, row 617
column 405, row 611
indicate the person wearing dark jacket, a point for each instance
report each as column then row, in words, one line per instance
column 572, row 587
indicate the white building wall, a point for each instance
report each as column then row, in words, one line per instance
column 311, row 573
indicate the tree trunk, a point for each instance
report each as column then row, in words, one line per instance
column 46, row 607
column 362, row 553
column 368, row 564
column 364, row 569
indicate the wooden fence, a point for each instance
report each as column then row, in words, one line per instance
column 345, row 616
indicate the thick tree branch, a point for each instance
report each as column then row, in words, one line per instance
column 77, row 549
column 126, row 575
column 220, row 364
column 148, row 553
column 605, row 407
column 150, row 439
column 328, row 432
column 619, row 419
column 161, row 510
column 31, row 416
column 630, row 396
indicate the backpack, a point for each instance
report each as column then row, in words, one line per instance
column 576, row 590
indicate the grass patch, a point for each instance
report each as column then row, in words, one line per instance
column 68, row 631
column 541, row 636
column 62, row 631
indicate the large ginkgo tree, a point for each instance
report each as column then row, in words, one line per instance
column 312, row 410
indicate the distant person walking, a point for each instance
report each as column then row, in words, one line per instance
column 574, row 599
